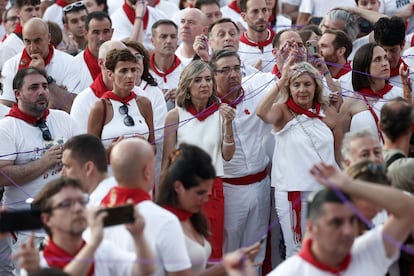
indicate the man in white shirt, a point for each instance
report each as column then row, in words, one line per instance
column 74, row 16
column 84, row 158
column 255, row 46
column 165, row 66
column 331, row 246
column 133, row 164
column 98, row 30
column 26, row 9
column 192, row 23
column 39, row 53
column 54, row 13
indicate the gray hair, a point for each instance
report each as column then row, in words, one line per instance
column 350, row 20
column 351, row 136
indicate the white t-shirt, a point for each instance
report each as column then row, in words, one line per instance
column 164, row 235
column 54, row 13
column 59, row 68
column 83, row 73
column 368, row 257
column 101, row 191
column 228, row 12
column 10, row 47
column 318, row 8
column 17, row 136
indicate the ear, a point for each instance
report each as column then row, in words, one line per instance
column 243, row 15
column 101, row 63
column 274, row 52
column 341, row 51
column 17, row 93
column 310, row 227
column 110, row 74
column 178, row 187
column 49, row 37
column 89, row 167
column 45, row 217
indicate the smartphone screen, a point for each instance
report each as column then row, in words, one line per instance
column 20, row 220
column 119, row 215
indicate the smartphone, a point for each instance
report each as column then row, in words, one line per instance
column 20, row 220
column 312, row 47
column 119, row 215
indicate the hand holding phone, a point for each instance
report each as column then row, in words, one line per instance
column 312, row 47
column 119, row 215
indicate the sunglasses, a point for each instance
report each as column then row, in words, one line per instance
column 128, row 121
column 45, row 130
column 76, row 5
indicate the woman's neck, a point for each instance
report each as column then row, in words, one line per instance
column 199, row 105
column 377, row 85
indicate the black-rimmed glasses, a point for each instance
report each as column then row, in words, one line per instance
column 227, row 70
column 67, row 204
column 128, row 121
column 12, row 18
column 45, row 130
column 76, row 5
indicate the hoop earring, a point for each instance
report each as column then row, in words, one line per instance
column 187, row 96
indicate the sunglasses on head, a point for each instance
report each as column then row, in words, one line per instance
column 76, row 5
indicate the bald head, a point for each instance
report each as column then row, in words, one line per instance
column 133, row 163
column 193, row 22
column 107, row 46
column 36, row 37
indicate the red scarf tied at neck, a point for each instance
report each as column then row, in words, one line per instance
column 204, row 114
column 238, row 100
column 259, row 44
column 396, row 71
column 98, row 86
column 130, row 13
column 111, row 95
column 92, row 63
column 25, row 59
column 181, row 214
column 306, row 254
column 233, row 6
column 17, row 113
column 59, row 258
column 168, row 71
column 18, row 30
column 120, row 195
column 299, row 110
column 379, row 94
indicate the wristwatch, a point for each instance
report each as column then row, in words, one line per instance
column 50, row 79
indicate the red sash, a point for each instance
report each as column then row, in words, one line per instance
column 98, row 86
column 111, row 95
column 120, row 195
column 17, row 113
column 260, row 44
column 59, row 258
column 298, row 110
column 204, row 114
column 179, row 213
column 306, row 254
column 130, row 13
column 25, row 59
column 164, row 74
column 92, row 63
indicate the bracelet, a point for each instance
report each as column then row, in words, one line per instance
column 138, row 17
column 228, row 144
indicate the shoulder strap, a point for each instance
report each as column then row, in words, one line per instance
column 103, row 115
column 393, row 158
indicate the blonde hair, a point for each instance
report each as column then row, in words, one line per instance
column 298, row 70
column 190, row 72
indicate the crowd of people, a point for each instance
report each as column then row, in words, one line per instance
column 251, row 137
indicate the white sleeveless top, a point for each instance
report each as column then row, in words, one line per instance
column 294, row 153
column 116, row 126
column 198, row 254
column 206, row 134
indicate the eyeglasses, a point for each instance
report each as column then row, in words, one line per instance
column 128, row 121
column 45, row 130
column 76, row 5
column 227, row 70
column 12, row 18
column 69, row 203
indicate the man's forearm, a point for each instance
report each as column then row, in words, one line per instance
column 22, row 174
column 60, row 98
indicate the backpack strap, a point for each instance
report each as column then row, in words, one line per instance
column 393, row 158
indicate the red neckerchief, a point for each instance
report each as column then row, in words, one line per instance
column 98, row 86
column 306, row 254
column 204, row 114
column 17, row 113
column 164, row 74
column 120, row 195
column 295, row 201
column 299, row 110
column 156, row 2
column 396, row 71
column 236, row 101
column 130, row 13
column 345, row 69
column 233, row 6
column 261, row 44
column 18, row 30
column 25, row 58
column 61, row 3
column 59, row 258
column 111, row 95
column 380, row 94
column 181, row 214
column 92, row 63
column 276, row 72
